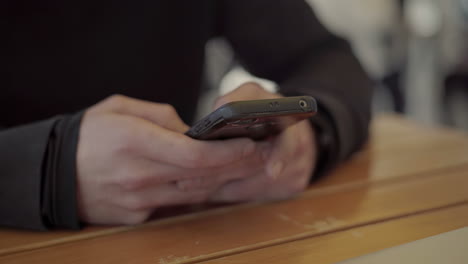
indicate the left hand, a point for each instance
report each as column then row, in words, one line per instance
column 287, row 162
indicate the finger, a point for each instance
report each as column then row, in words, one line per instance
column 247, row 91
column 117, row 215
column 141, row 173
column 107, row 211
column 159, row 196
column 261, row 187
column 282, row 152
column 160, row 144
column 294, row 150
column 137, row 175
column 248, row 189
column 213, row 179
column 163, row 115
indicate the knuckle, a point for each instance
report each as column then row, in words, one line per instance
column 134, row 203
column 117, row 100
column 136, row 218
column 168, row 115
column 252, row 87
column 167, row 110
column 112, row 103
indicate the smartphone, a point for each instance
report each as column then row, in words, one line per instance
column 256, row 119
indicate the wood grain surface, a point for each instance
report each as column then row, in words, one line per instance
column 356, row 242
column 400, row 148
column 230, row 231
column 405, row 170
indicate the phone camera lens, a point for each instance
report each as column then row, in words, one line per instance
column 303, row 103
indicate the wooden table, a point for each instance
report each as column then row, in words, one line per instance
column 411, row 182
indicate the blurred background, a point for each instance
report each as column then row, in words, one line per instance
column 415, row 51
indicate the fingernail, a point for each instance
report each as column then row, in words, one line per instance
column 276, row 170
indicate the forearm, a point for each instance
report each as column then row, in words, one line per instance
column 37, row 174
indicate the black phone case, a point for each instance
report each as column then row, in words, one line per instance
column 256, row 119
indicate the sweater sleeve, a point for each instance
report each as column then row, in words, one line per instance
column 283, row 41
column 37, row 174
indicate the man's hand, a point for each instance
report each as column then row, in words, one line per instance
column 132, row 153
column 286, row 164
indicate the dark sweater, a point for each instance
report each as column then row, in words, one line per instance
column 59, row 57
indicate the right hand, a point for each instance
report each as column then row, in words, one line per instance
column 131, row 153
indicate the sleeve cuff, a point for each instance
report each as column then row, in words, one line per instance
column 59, row 204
